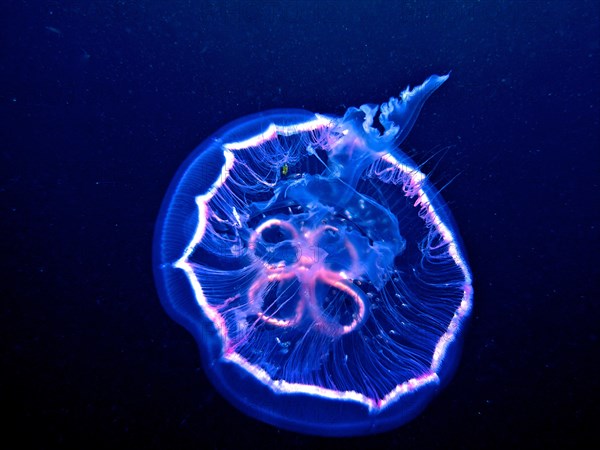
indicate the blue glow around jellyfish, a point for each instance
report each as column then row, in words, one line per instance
column 317, row 267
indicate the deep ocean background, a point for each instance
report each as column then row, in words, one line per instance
column 101, row 101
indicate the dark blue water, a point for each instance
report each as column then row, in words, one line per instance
column 101, row 101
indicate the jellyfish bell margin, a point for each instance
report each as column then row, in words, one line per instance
column 317, row 267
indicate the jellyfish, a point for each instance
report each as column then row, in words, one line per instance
column 317, row 267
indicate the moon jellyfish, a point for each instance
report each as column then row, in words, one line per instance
column 317, row 267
